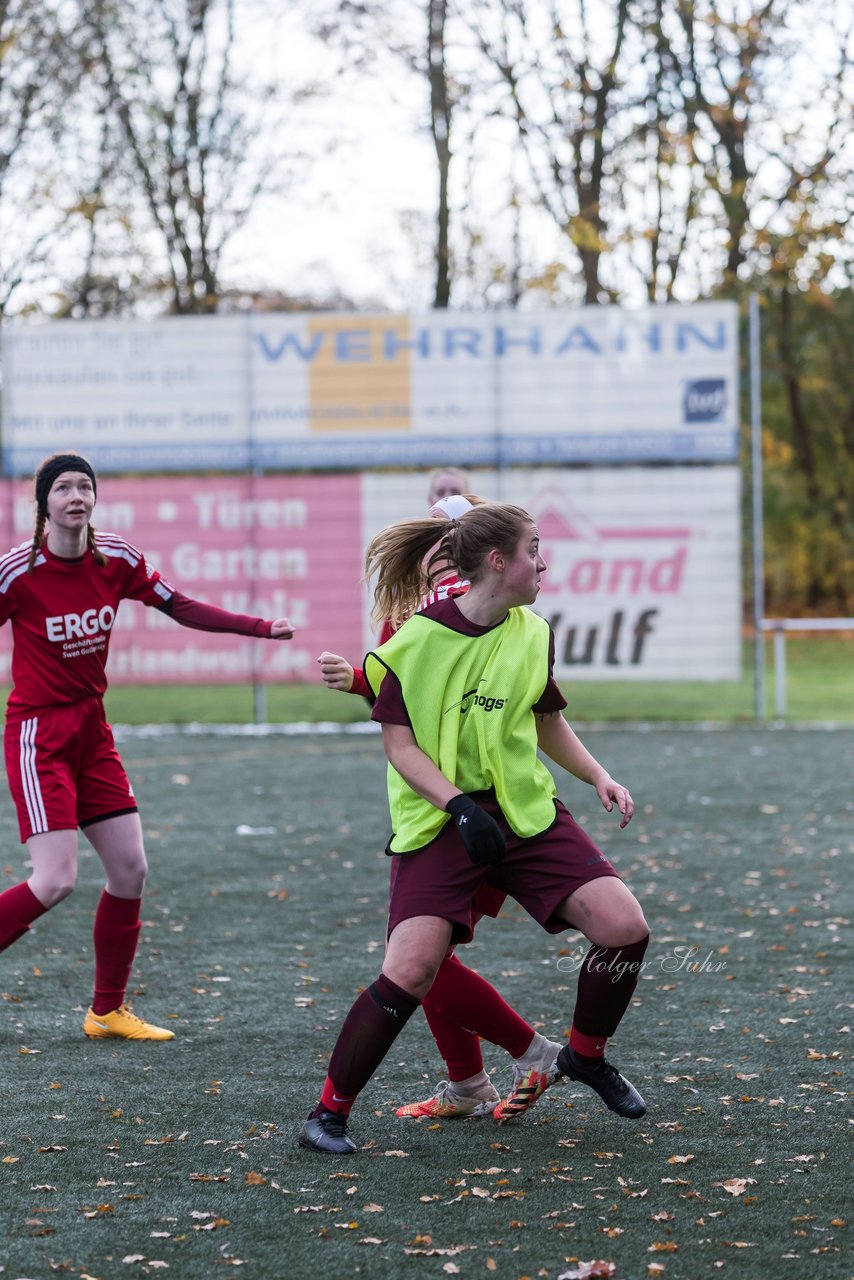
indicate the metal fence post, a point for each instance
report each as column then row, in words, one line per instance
column 756, row 478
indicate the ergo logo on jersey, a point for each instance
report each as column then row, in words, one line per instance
column 73, row 626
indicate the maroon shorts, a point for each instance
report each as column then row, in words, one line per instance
column 540, row 872
column 63, row 768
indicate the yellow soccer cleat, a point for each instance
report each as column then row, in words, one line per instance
column 122, row 1024
column 446, row 1103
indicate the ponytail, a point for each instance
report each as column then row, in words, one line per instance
column 397, row 554
column 97, row 554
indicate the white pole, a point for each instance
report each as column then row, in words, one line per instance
column 780, row 672
column 756, row 477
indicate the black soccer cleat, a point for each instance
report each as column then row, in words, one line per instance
column 618, row 1093
column 327, row 1132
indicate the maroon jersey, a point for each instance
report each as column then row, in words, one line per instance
column 62, row 614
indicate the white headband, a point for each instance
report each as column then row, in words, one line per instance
column 453, row 506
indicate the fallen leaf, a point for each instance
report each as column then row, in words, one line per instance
column 598, row 1269
column 735, row 1186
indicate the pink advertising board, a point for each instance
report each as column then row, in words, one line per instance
column 273, row 546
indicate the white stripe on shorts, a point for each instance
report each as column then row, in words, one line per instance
column 30, row 777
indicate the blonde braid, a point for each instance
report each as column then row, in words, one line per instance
column 396, row 554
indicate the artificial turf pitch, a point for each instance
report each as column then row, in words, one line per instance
column 265, row 916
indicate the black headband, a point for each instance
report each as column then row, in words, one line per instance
column 54, row 467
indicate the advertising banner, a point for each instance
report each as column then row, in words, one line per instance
column 332, row 390
column 276, row 547
column 643, row 578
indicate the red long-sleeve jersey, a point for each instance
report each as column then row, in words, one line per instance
column 63, row 612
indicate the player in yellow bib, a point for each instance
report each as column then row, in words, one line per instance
column 466, row 697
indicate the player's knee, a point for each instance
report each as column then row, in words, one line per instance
column 631, row 929
column 414, row 975
column 53, row 888
column 127, row 872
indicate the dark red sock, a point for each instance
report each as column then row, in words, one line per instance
column 370, row 1029
column 467, row 1000
column 606, row 984
column 19, row 907
column 115, row 935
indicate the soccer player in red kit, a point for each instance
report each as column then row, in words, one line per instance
column 61, row 593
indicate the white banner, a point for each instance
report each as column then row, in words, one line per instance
column 644, row 564
column 592, row 384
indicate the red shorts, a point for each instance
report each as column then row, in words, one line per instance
column 540, row 872
column 63, row 768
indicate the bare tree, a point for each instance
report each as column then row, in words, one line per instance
column 562, row 77
column 37, row 83
column 440, row 123
column 389, row 40
column 185, row 133
column 752, row 103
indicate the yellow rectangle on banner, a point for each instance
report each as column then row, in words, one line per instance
column 360, row 378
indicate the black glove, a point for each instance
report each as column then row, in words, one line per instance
column 480, row 833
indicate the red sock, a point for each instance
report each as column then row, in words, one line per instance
column 587, row 1046
column 606, row 983
column 468, row 1001
column 369, row 1030
column 115, row 935
column 459, row 1048
column 19, row 907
